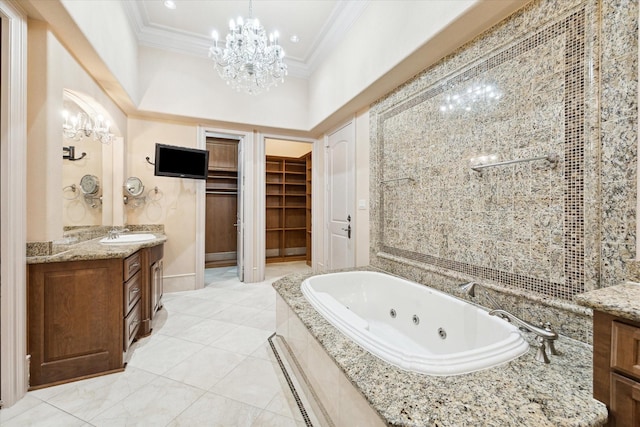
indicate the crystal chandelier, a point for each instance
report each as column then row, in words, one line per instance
column 249, row 61
column 81, row 125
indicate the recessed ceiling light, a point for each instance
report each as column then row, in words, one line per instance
column 169, row 4
column 294, row 39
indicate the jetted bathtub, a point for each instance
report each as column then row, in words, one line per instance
column 412, row 326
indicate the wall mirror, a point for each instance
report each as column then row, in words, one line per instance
column 84, row 157
column 133, row 186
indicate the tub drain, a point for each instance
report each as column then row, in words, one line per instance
column 442, row 333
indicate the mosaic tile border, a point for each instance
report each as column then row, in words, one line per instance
column 572, row 27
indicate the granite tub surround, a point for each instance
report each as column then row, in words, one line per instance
column 622, row 300
column 522, row 392
column 556, row 77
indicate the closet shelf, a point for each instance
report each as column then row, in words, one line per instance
column 286, row 216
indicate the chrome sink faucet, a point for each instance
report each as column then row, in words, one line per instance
column 115, row 232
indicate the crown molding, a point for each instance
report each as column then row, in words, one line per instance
column 164, row 38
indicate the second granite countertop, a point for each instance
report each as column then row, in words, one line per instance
column 522, row 392
column 621, row 300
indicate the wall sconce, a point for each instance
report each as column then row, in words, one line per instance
column 81, row 125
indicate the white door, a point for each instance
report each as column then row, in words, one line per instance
column 340, row 181
column 240, row 215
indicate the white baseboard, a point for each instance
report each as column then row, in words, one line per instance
column 179, row 283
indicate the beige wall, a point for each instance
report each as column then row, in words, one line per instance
column 52, row 69
column 285, row 148
column 175, row 203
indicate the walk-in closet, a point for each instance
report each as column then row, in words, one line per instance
column 288, row 201
column 221, row 203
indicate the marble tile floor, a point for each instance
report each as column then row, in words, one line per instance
column 207, row 363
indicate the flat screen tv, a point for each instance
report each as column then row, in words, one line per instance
column 181, row 162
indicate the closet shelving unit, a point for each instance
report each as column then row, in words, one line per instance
column 308, row 206
column 286, row 209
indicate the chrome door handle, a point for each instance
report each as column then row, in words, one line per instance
column 348, row 230
column 235, row 225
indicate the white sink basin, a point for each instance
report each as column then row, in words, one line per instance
column 126, row 239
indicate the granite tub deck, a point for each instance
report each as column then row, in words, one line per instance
column 522, row 392
column 93, row 249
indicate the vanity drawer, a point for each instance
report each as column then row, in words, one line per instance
column 132, row 292
column 625, row 349
column 131, row 325
column 131, row 265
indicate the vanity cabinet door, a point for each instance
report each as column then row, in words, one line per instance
column 156, row 286
column 625, row 402
column 74, row 313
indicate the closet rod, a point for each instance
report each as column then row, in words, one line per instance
column 221, row 192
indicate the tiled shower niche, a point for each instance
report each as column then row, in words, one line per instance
column 526, row 89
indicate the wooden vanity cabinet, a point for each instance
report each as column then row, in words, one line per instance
column 74, row 319
column 82, row 316
column 616, row 368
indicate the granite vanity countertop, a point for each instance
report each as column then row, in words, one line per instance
column 621, row 300
column 522, row 392
column 93, row 249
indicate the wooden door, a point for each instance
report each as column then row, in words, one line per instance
column 220, row 232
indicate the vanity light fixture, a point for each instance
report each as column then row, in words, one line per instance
column 249, row 61
column 81, row 125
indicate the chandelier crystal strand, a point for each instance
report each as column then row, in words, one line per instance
column 249, row 62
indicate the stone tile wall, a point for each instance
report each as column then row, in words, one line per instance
column 558, row 77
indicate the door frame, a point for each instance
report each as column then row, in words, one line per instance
column 325, row 224
column 14, row 369
column 245, row 196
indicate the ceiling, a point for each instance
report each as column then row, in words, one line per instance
column 318, row 24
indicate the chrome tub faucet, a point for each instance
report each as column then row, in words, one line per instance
column 545, row 335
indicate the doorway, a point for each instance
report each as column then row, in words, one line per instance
column 223, row 211
column 288, row 170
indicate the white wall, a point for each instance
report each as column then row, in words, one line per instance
column 188, row 86
column 105, row 25
column 371, row 49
